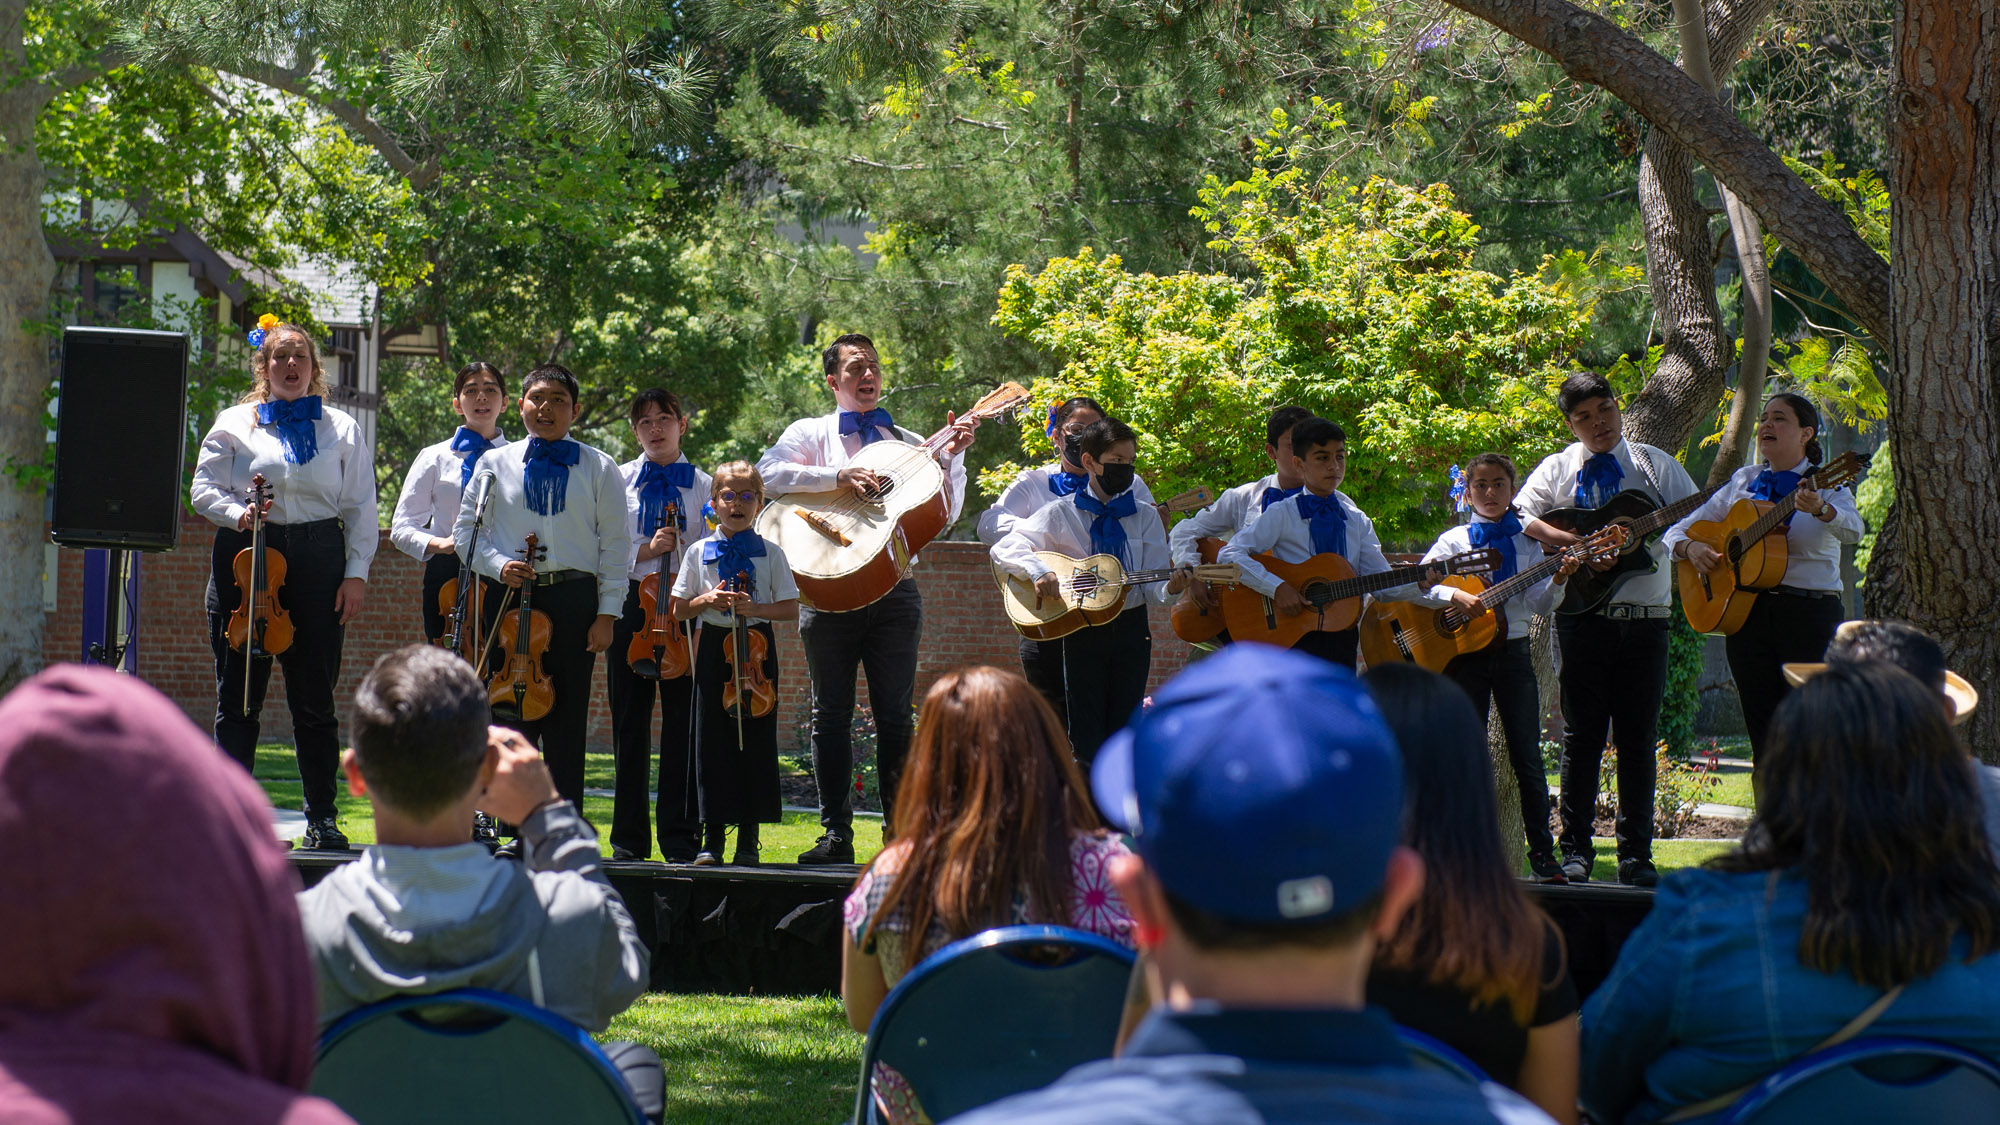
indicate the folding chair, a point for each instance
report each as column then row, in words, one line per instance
column 1431, row 1053
column 1880, row 1081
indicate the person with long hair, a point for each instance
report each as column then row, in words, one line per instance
column 994, row 827
column 1794, row 621
column 321, row 518
column 1473, row 963
column 1864, row 898
column 435, row 483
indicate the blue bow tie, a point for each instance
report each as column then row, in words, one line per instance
column 732, row 554
column 1499, row 535
column 1329, row 522
column 1107, row 535
column 1597, row 482
column 1063, row 484
column 656, row 487
column 468, row 442
column 1274, row 495
column 546, row 480
column 1775, row 487
column 293, row 420
column 864, row 422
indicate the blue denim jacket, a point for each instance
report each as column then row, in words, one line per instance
column 1708, row 995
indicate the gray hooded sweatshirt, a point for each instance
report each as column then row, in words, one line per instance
column 550, row 930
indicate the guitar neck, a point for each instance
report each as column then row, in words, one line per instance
column 1668, row 515
column 1523, row 579
column 1369, row 583
column 1780, row 509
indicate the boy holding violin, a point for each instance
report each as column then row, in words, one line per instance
column 737, row 583
column 664, row 493
column 570, row 497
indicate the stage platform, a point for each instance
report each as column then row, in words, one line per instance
column 775, row 929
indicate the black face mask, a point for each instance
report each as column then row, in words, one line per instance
column 1073, row 449
column 1114, row 479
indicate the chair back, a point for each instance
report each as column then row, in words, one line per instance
column 1880, row 1081
column 470, row 1054
column 1431, row 1053
column 998, row 1013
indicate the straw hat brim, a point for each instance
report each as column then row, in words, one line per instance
column 1964, row 697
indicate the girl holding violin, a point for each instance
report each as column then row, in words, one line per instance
column 737, row 583
column 421, row 527
column 649, row 656
column 319, row 532
column 1793, row 621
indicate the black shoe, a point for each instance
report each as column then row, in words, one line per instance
column 627, row 855
column 682, row 856
column 1576, row 869
column 1638, row 873
column 512, row 849
column 831, row 849
column 746, row 847
column 485, row 830
column 323, row 834
column 1545, row 869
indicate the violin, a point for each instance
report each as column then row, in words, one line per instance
column 746, row 655
column 260, row 626
column 661, row 650
column 518, row 687
column 462, row 601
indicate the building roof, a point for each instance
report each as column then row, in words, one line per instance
column 340, row 295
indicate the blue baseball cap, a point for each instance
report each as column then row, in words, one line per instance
column 1262, row 785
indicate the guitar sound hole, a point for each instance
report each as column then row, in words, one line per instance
column 1315, row 593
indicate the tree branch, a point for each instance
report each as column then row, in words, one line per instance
column 421, row 174
column 1592, row 49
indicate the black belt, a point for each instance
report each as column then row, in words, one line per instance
column 1626, row 611
column 556, row 577
column 1793, row 592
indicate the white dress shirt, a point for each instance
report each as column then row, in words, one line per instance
column 1065, row 528
column 1538, row 599
column 770, row 578
column 1280, row 531
column 692, row 498
column 593, row 532
column 1030, row 494
column 428, row 505
column 1812, row 548
column 1553, row 485
column 811, row 452
column 1231, row 513
column 338, row 483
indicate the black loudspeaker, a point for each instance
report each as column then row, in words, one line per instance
column 121, row 439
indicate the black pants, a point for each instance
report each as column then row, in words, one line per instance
column 1781, row 629
column 632, row 735
column 438, row 570
column 1104, row 675
column 1614, row 674
column 880, row 639
column 1340, row 648
column 1504, row 672
column 315, row 563
column 1042, row 665
column 739, row 779
column 570, row 666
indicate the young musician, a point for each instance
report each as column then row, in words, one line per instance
column 1104, row 666
column 732, row 578
column 1317, row 520
column 1042, row 661
column 1234, row 509
column 1504, row 671
column 572, row 499
column 665, row 494
column 1793, row 621
column 428, row 506
column 1614, row 660
column 812, row 455
column 321, row 518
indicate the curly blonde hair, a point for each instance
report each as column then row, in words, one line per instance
column 260, row 365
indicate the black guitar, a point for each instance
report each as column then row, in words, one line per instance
column 1643, row 520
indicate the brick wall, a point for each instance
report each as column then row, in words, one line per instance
column 963, row 624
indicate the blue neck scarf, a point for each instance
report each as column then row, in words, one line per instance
column 1064, row 483
column 293, row 422
column 1499, row 535
column 1597, row 482
column 468, row 442
column 731, row 555
column 864, row 422
column 1274, row 495
column 1107, row 535
column 656, row 487
column 1329, row 522
column 546, row 480
column 1775, row 487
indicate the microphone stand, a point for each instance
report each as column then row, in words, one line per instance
column 461, row 611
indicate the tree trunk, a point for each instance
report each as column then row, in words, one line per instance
column 26, row 271
column 1944, row 373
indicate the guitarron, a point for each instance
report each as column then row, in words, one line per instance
column 1753, row 559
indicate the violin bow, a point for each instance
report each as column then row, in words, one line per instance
column 738, row 638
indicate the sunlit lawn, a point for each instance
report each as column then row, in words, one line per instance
column 747, row 1060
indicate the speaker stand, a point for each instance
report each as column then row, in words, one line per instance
column 110, row 583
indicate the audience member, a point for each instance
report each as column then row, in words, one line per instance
column 993, row 827
column 1864, row 899
column 425, row 911
column 1264, row 794
column 151, row 966
column 1474, row 963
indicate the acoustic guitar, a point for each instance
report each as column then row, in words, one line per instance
column 1753, row 559
column 1588, row 590
column 1433, row 636
column 1192, row 623
column 1332, row 594
column 848, row 550
column 1092, row 593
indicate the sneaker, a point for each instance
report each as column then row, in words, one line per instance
column 832, row 848
column 512, row 849
column 1576, row 869
column 1638, row 872
column 485, row 830
column 706, row 858
column 323, row 834
column 1545, row 869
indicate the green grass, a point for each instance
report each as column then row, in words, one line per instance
column 1668, row 855
column 748, row 1060
column 278, row 773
